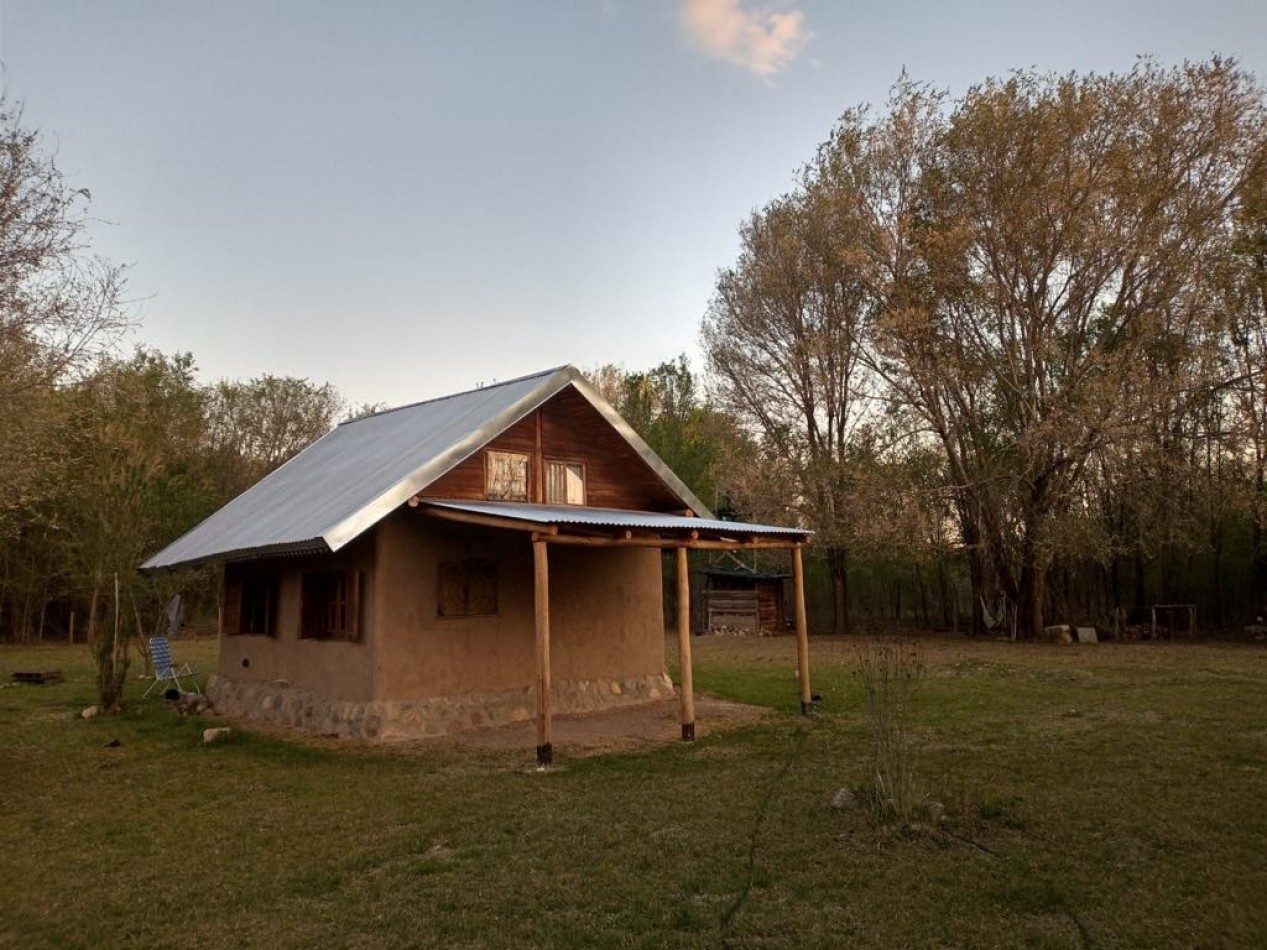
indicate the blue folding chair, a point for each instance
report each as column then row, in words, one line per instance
column 165, row 671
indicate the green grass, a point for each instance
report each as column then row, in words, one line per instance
column 1106, row 796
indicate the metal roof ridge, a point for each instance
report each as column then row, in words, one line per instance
column 464, row 392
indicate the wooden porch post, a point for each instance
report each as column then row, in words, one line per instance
column 802, row 632
column 684, row 645
column 541, row 571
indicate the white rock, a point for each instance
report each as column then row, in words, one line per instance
column 215, row 735
column 92, row 712
column 844, row 800
column 1058, row 633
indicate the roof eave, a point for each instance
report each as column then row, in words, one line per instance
column 285, row 549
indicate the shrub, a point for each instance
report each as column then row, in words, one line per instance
column 891, row 674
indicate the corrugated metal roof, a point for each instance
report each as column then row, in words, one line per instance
column 743, row 574
column 355, row 475
column 612, row 518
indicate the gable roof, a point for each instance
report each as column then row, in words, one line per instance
column 361, row 471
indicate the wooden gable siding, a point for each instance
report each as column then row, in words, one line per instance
column 571, row 431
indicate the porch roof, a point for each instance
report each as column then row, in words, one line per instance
column 558, row 523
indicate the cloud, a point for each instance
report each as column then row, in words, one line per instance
column 762, row 40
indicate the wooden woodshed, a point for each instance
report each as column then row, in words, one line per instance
column 743, row 600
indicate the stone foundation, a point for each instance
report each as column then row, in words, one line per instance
column 384, row 719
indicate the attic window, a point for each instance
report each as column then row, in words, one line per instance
column 506, row 476
column 565, row 483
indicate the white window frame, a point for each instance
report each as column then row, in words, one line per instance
column 574, row 478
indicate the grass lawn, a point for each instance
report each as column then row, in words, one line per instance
column 1110, row 795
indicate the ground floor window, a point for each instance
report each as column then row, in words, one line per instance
column 250, row 605
column 259, row 606
column 467, row 589
column 331, row 607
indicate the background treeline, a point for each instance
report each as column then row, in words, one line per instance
column 1006, row 354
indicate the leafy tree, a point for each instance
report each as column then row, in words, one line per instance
column 139, row 435
column 1068, row 223
column 666, row 407
column 255, row 425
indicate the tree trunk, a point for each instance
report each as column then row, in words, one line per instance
column 24, row 623
column 838, row 564
column 976, row 579
column 92, row 610
column 923, row 598
column 1030, row 589
column 943, row 593
column 971, row 533
column 1260, row 551
column 142, row 644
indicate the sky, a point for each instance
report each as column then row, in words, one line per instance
column 413, row 198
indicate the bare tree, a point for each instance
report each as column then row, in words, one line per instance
column 59, row 306
column 1027, row 270
column 784, row 337
column 1059, row 238
column 1242, row 280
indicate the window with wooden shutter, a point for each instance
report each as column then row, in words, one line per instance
column 506, row 475
column 467, row 589
column 332, row 604
column 565, row 483
column 258, row 606
column 231, row 607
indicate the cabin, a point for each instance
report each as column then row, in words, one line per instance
column 472, row 560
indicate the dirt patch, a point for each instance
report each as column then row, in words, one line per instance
column 624, row 727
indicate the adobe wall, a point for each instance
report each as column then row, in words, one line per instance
column 606, row 619
column 330, row 668
column 418, row 674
